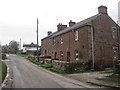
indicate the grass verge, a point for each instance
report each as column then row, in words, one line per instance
column 49, row 67
column 46, row 65
column 107, row 72
column 55, row 69
column 3, row 71
column 112, row 78
column 22, row 55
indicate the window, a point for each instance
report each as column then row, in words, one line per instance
column 61, row 41
column 76, row 35
column 115, row 52
column 114, row 32
column 76, row 54
column 61, row 55
column 49, row 41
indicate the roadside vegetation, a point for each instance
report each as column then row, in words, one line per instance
column 4, row 57
column 3, row 71
column 106, row 72
column 111, row 78
column 58, row 70
column 32, row 59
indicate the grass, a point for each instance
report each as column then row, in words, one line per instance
column 0, row 72
column 22, row 55
column 109, row 79
column 82, row 71
column 49, row 67
column 3, row 71
column 55, row 69
column 112, row 78
column 45, row 65
column 107, row 72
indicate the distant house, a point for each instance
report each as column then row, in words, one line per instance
column 30, row 48
column 93, row 39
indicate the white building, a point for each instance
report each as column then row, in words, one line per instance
column 30, row 48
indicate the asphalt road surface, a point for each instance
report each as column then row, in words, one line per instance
column 24, row 74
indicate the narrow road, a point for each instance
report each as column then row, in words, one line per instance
column 24, row 74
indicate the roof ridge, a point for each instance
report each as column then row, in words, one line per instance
column 75, row 26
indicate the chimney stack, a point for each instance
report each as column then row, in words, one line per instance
column 49, row 32
column 102, row 10
column 61, row 27
column 71, row 23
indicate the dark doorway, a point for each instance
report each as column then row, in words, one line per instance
column 68, row 56
column 45, row 52
column 55, row 55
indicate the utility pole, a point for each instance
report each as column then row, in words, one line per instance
column 37, row 41
column 20, row 45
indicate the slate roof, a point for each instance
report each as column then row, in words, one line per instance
column 75, row 26
column 30, row 45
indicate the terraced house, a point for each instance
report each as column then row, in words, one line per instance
column 93, row 39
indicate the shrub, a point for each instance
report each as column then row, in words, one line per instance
column 33, row 60
column 29, row 57
column 76, row 67
column 4, row 56
column 117, row 67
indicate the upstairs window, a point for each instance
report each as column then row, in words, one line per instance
column 61, row 55
column 76, row 35
column 49, row 41
column 114, row 32
column 61, row 41
column 115, row 52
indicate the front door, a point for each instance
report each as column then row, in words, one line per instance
column 68, row 56
column 55, row 55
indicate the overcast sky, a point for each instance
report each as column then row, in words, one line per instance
column 18, row 17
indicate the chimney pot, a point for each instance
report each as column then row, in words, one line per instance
column 71, row 23
column 102, row 10
column 60, row 26
column 49, row 32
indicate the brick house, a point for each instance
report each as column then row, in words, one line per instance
column 93, row 39
column 30, row 48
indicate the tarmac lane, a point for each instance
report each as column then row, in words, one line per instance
column 24, row 74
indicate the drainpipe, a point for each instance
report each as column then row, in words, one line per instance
column 118, row 42
column 93, row 55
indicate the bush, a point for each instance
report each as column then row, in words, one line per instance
column 76, row 67
column 4, row 56
column 117, row 67
column 31, row 58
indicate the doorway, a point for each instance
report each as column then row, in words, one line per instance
column 68, row 56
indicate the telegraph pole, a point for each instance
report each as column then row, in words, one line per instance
column 20, row 45
column 37, row 41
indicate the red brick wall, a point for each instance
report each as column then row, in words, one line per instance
column 103, row 43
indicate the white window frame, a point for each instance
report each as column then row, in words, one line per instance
column 61, row 41
column 76, row 55
column 114, row 32
column 76, row 35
